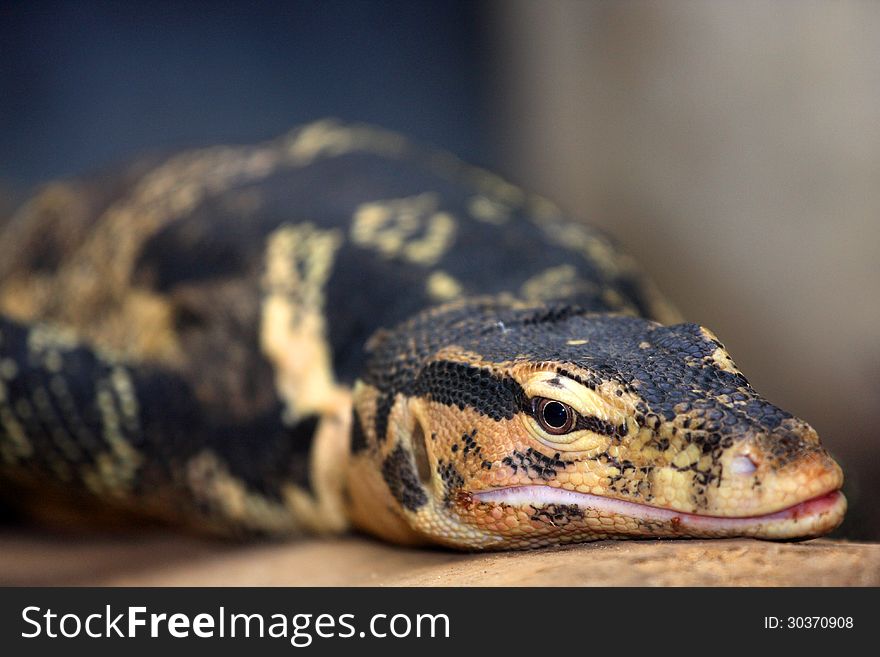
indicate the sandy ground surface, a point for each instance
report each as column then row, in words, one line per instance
column 36, row 558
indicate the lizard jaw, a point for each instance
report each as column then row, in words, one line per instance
column 809, row 518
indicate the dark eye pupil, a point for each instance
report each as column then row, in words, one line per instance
column 555, row 414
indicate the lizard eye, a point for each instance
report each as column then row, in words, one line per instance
column 554, row 417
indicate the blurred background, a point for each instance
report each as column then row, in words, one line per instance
column 733, row 148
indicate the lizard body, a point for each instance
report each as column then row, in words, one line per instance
column 342, row 328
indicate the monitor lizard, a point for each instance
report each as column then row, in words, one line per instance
column 340, row 328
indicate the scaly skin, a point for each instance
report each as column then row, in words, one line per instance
column 189, row 339
column 671, row 439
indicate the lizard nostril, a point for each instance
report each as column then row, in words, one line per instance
column 743, row 465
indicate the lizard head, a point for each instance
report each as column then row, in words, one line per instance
column 505, row 425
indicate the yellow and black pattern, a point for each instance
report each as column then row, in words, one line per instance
column 340, row 327
column 660, row 419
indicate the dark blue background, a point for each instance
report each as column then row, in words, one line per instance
column 89, row 83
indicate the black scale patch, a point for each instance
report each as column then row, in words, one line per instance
column 462, row 385
column 458, row 384
column 594, row 424
column 383, row 410
column 470, row 445
column 399, row 473
column 534, row 464
column 358, row 435
column 452, row 480
column 557, row 515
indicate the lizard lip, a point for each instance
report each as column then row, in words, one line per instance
column 541, row 495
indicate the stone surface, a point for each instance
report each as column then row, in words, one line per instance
column 28, row 557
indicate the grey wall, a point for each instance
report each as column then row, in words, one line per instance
column 89, row 83
column 734, row 148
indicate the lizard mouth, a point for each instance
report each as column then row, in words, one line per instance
column 811, row 517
